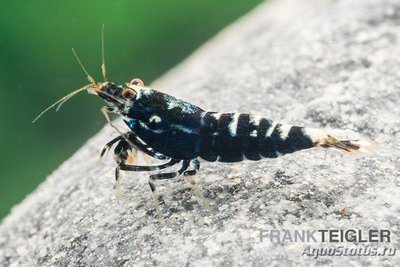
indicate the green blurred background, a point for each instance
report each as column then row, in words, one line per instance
column 143, row 39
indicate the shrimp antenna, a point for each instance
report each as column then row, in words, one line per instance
column 103, row 61
column 90, row 78
column 62, row 100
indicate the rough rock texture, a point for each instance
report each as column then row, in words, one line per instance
column 328, row 64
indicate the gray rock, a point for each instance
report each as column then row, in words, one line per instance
column 331, row 64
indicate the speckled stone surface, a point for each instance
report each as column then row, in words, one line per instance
column 331, row 64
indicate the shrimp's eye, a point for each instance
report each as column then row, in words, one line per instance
column 137, row 82
column 129, row 94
